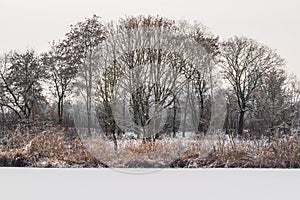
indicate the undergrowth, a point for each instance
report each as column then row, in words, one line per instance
column 55, row 149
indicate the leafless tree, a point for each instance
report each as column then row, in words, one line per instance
column 61, row 77
column 293, row 100
column 76, row 51
column 269, row 101
column 152, row 61
column 244, row 62
column 201, row 81
column 124, row 61
column 21, row 75
column 85, row 37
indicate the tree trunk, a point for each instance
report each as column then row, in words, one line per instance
column 226, row 122
column 241, row 123
column 60, row 110
column 115, row 142
column 174, row 117
column 113, row 132
column 3, row 118
column 88, row 109
column 185, row 110
column 89, row 97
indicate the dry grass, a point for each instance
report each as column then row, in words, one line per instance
column 283, row 152
column 138, row 153
column 45, row 150
column 53, row 149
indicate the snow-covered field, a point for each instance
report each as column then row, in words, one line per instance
column 73, row 184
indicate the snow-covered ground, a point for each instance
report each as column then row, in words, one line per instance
column 73, row 184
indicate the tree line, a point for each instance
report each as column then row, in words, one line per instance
column 95, row 61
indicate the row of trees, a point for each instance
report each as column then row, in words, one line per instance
column 150, row 75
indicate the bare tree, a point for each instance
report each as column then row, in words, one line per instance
column 202, row 83
column 77, row 50
column 61, row 76
column 108, row 74
column 123, row 64
column 269, row 102
column 232, row 113
column 244, row 62
column 70, row 59
column 292, row 114
column 153, row 61
column 21, row 75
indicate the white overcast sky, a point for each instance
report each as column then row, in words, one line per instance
column 34, row 23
